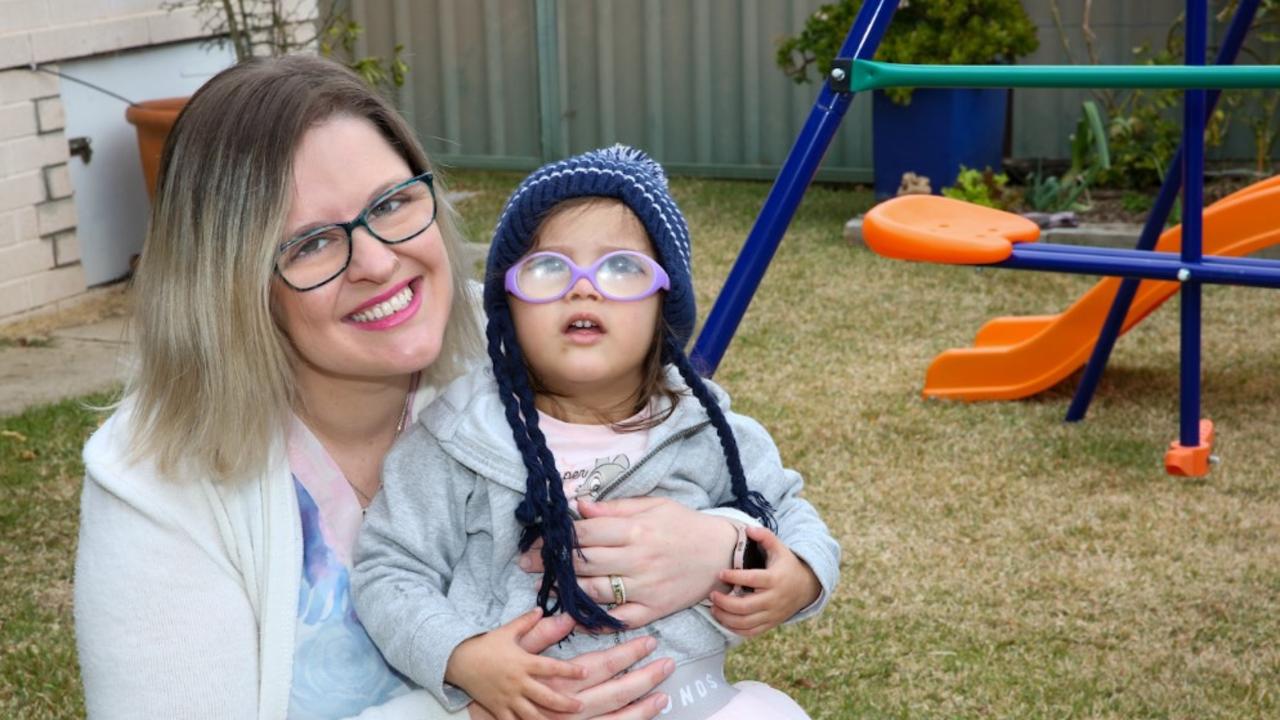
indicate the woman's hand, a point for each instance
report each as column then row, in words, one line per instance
column 601, row 693
column 783, row 588
column 667, row 555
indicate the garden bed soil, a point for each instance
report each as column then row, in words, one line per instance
column 1107, row 206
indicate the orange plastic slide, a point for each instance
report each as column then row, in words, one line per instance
column 1016, row 357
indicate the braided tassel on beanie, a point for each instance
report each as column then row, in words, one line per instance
column 544, row 512
column 748, row 501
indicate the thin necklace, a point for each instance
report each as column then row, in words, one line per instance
column 365, row 499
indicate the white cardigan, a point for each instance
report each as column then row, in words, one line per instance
column 186, row 591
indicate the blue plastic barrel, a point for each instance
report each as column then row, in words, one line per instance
column 942, row 129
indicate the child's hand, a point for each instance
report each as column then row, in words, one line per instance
column 785, row 587
column 506, row 679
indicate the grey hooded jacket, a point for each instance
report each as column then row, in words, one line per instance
column 436, row 560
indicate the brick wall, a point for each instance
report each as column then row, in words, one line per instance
column 39, row 257
column 39, row 254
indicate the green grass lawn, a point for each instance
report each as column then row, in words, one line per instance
column 997, row 563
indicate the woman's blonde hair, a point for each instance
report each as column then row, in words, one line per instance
column 214, row 385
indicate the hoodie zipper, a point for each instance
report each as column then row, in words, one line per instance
column 598, row 493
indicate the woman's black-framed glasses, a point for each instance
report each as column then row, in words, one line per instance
column 319, row 255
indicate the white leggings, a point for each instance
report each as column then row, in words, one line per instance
column 698, row 691
column 757, row 701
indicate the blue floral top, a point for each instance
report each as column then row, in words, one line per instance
column 337, row 671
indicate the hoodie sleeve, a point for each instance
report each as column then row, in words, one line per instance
column 413, row 537
column 799, row 525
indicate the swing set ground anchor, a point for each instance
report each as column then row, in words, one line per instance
column 1191, row 461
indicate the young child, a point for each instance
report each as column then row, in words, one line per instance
column 590, row 303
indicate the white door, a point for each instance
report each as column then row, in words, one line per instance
column 110, row 198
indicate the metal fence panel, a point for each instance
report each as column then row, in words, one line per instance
column 694, row 83
column 691, row 81
column 472, row 87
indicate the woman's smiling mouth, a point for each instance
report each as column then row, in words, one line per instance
column 389, row 311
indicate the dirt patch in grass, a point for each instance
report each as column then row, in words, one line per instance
column 95, row 305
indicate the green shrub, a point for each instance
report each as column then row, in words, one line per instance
column 934, row 32
column 980, row 187
column 1090, row 156
column 1137, row 202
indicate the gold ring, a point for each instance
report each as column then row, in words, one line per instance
column 619, row 590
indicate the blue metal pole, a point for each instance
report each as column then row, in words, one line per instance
column 1231, row 44
column 1137, row 264
column 1025, row 249
column 783, row 199
column 1192, row 217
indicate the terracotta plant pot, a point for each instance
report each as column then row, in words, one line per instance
column 153, row 119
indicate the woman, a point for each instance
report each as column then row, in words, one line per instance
column 292, row 315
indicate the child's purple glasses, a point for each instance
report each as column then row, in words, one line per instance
column 623, row 275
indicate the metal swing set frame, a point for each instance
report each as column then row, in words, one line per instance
column 854, row 71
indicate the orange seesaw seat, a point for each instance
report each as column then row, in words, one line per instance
column 930, row 228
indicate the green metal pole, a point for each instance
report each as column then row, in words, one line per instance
column 873, row 75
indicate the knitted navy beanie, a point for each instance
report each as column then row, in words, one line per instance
column 618, row 172
column 630, row 176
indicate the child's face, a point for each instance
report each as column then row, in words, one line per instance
column 583, row 347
